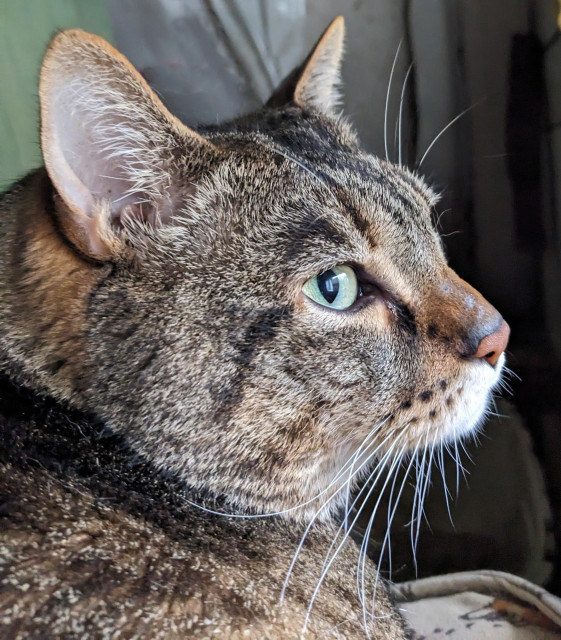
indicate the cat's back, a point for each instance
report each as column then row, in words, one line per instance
column 96, row 544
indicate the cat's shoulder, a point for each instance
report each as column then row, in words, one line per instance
column 95, row 539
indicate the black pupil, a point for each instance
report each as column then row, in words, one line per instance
column 328, row 284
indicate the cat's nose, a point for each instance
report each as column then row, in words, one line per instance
column 494, row 344
column 462, row 317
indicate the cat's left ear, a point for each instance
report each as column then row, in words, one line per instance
column 315, row 84
column 112, row 150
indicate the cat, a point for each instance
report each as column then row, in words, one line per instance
column 207, row 338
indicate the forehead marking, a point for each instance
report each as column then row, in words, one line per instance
column 307, row 170
column 335, row 192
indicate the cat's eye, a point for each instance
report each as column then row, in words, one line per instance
column 337, row 288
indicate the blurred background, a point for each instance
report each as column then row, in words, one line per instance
column 481, row 120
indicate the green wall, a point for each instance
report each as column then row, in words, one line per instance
column 25, row 29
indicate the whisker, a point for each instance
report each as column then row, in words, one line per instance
column 494, row 414
column 252, row 516
column 442, row 131
column 378, row 469
column 462, row 444
column 388, row 100
column 390, row 519
column 401, row 107
column 363, row 552
column 361, row 563
column 440, row 215
column 504, row 386
column 305, row 168
column 447, row 494
column 354, row 460
column 327, row 565
column 310, row 524
column 458, row 466
column 387, row 535
column 419, row 466
column 512, row 373
column 421, row 504
column 428, row 484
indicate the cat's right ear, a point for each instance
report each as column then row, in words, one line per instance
column 109, row 144
column 315, row 84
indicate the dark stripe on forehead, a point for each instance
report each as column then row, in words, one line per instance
column 339, row 194
column 360, row 221
column 319, row 148
column 302, row 235
column 335, row 173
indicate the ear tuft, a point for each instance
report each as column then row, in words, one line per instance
column 108, row 141
column 318, row 85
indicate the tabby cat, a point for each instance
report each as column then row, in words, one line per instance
column 206, row 338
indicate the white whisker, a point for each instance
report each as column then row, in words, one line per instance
column 458, row 466
column 363, row 552
column 252, row 516
column 442, row 131
column 377, row 471
column 313, row 519
column 427, row 484
column 440, row 216
column 354, row 460
column 419, row 467
column 401, row 108
column 387, row 535
column 511, row 373
column 447, row 494
column 388, row 100
column 327, row 565
column 468, row 455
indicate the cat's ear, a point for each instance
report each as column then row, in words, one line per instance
column 109, row 144
column 316, row 83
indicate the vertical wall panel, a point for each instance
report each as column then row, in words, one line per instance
column 25, row 29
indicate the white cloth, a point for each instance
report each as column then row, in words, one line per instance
column 479, row 605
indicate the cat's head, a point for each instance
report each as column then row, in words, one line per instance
column 261, row 298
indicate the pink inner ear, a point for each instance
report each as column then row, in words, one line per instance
column 96, row 147
column 105, row 135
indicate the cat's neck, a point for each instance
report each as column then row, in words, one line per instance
column 83, row 454
column 43, row 289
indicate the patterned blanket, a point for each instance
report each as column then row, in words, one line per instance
column 479, row 605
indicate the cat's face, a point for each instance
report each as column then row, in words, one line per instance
column 210, row 341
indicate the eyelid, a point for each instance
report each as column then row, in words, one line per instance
column 371, row 289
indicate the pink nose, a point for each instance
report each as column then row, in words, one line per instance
column 491, row 347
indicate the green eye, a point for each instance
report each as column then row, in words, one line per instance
column 336, row 288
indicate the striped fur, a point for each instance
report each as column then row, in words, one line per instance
column 162, row 318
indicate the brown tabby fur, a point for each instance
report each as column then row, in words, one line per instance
column 164, row 355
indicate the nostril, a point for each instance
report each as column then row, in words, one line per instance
column 493, row 345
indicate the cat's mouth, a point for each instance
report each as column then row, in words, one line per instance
column 438, row 413
column 449, row 409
